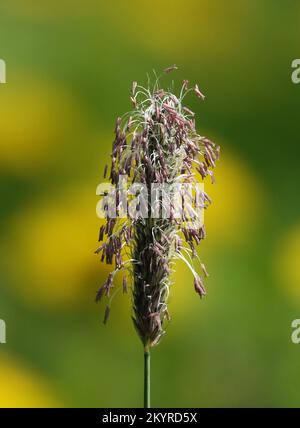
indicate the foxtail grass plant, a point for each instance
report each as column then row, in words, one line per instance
column 156, row 144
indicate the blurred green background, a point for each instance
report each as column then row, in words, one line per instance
column 69, row 71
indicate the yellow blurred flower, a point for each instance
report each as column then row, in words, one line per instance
column 180, row 29
column 36, row 117
column 23, row 387
column 55, row 241
column 238, row 202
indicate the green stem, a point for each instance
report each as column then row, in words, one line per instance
column 146, row 377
